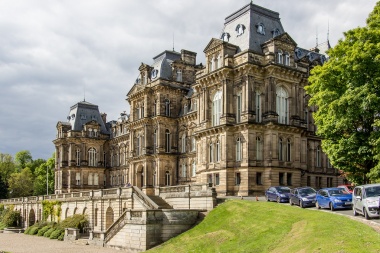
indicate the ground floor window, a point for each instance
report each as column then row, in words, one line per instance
column 259, row 178
column 281, row 178
column 237, row 178
column 289, row 179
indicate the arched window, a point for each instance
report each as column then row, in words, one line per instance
column 183, row 143
column 259, row 149
column 167, row 178
column 260, row 29
column 318, row 157
column 279, row 57
column 167, row 107
column 287, row 59
column 167, row 141
column 280, row 150
column 216, row 108
column 77, row 157
column 96, row 179
column 282, row 105
column 217, row 151
column 92, row 160
column 238, row 149
column 288, row 150
column 258, row 107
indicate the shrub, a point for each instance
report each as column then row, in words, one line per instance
column 57, row 233
column 42, row 231
column 76, row 221
column 34, row 230
column 61, row 236
column 27, row 230
column 48, row 233
column 10, row 217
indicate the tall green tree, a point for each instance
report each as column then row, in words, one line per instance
column 22, row 158
column 346, row 91
column 7, row 167
column 21, row 183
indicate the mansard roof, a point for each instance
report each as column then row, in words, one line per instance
column 84, row 112
column 251, row 26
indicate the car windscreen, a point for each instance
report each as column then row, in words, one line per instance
column 306, row 191
column 283, row 189
column 373, row 191
column 337, row 192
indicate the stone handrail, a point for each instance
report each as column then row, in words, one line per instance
column 145, row 199
column 115, row 227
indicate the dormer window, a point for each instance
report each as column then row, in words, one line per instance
column 287, row 59
column 261, row 28
column 225, row 37
column 276, row 32
column 240, row 28
column 279, row 57
column 179, row 75
column 154, row 73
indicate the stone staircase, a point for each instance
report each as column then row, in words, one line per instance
column 162, row 204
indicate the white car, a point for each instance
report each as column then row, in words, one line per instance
column 365, row 200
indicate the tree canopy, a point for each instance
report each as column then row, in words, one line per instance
column 346, row 91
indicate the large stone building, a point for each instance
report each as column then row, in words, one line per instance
column 241, row 121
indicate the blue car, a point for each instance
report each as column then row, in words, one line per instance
column 277, row 193
column 302, row 196
column 333, row 198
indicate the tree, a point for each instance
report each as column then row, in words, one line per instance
column 346, row 91
column 22, row 158
column 21, row 183
column 7, row 167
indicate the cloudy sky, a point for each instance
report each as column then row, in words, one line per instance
column 52, row 52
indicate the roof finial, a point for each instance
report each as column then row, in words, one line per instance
column 316, row 37
column 84, row 93
column 328, row 30
column 173, row 41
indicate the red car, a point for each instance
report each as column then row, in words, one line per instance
column 347, row 187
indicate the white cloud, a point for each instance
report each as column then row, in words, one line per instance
column 51, row 51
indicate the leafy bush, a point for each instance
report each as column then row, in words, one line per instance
column 76, row 221
column 27, row 230
column 10, row 217
column 48, row 233
column 42, row 231
column 61, row 236
column 34, row 230
column 2, row 226
column 57, row 233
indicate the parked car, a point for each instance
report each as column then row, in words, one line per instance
column 366, row 200
column 333, row 198
column 347, row 187
column 277, row 193
column 302, row 196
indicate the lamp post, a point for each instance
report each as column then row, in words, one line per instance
column 47, row 180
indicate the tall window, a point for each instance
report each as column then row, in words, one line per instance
column 237, row 178
column 179, row 75
column 258, row 107
column 183, row 170
column 167, row 141
column 193, row 144
column 90, row 179
column 217, row 108
column 238, row 149
column 259, row 178
column 193, row 169
column 211, row 152
column 77, row 178
column 287, row 59
column 217, row 151
column 318, row 157
column 142, row 111
column 183, row 143
column 279, row 57
column 96, row 179
column 138, row 145
column 167, row 178
column 281, row 178
column 238, row 108
column 154, row 141
column 289, row 178
column 217, row 180
column 92, row 157
column 167, row 107
column 155, row 108
column 288, row 150
column 280, row 150
column 78, row 157
column 307, row 118
column 259, row 149
column 282, row 105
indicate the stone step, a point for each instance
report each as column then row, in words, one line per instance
column 162, row 204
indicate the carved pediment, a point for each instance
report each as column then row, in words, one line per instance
column 212, row 44
column 285, row 37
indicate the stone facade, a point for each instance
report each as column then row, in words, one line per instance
column 241, row 121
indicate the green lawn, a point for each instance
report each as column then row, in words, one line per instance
column 247, row 226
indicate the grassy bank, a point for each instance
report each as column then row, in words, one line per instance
column 246, row 226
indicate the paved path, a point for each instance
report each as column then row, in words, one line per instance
column 21, row 243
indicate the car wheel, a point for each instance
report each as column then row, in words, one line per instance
column 355, row 213
column 301, row 204
column 332, row 207
column 278, row 200
column 291, row 202
column 317, row 205
column 366, row 214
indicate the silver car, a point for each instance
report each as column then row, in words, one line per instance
column 365, row 200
